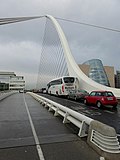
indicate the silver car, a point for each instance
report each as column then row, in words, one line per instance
column 77, row 94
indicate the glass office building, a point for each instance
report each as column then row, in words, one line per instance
column 97, row 72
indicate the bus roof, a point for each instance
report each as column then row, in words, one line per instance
column 61, row 77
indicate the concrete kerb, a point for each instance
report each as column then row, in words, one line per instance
column 5, row 95
column 103, row 139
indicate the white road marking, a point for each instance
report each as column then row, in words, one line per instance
column 39, row 150
column 102, row 158
column 109, row 112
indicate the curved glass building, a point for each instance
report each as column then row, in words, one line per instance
column 97, row 72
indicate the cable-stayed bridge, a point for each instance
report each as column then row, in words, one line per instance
column 56, row 57
column 26, row 126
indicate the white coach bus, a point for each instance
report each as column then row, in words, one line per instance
column 61, row 86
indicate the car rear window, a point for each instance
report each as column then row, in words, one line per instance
column 108, row 94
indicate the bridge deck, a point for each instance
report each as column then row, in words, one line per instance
column 57, row 141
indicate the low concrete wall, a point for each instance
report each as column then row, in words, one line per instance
column 103, row 139
column 7, row 94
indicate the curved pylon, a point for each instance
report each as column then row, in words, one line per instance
column 85, row 82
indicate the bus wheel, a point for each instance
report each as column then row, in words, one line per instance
column 56, row 93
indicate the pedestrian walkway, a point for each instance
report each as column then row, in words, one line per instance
column 57, row 141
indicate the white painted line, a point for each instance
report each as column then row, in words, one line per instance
column 39, row 150
column 109, row 112
column 102, row 158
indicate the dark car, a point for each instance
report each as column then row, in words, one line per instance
column 101, row 98
column 43, row 90
column 77, row 94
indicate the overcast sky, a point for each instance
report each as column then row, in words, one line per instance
column 20, row 44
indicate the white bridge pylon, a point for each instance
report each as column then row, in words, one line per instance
column 85, row 82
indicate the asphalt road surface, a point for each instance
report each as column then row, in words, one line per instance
column 28, row 131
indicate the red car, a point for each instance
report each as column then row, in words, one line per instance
column 101, row 98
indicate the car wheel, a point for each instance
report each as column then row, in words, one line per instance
column 75, row 98
column 85, row 101
column 115, row 107
column 99, row 104
column 68, row 97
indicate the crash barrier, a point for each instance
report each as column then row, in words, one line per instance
column 5, row 94
column 100, row 137
column 103, row 139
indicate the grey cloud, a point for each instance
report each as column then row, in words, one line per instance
column 20, row 57
column 20, row 44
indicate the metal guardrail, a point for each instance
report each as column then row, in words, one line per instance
column 79, row 120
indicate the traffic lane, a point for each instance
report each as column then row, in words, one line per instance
column 57, row 140
column 108, row 115
column 15, row 129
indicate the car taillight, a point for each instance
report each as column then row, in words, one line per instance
column 105, row 98
column 102, row 99
column 62, row 88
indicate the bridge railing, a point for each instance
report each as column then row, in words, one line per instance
column 100, row 137
column 79, row 120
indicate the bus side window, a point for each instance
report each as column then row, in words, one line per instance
column 61, row 81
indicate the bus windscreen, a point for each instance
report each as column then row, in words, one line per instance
column 69, row 79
